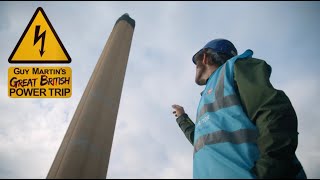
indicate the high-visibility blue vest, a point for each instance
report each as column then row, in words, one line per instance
column 225, row 138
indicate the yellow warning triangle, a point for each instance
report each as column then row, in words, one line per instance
column 39, row 43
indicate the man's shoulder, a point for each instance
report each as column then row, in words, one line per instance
column 252, row 67
column 250, row 61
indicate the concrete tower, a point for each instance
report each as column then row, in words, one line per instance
column 86, row 147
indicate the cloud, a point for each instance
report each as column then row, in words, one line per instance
column 31, row 134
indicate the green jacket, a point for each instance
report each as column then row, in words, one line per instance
column 271, row 111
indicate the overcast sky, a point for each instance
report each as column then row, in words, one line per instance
column 148, row 142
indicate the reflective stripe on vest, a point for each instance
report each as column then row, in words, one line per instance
column 235, row 137
column 224, row 102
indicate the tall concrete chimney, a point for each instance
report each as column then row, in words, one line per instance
column 86, row 147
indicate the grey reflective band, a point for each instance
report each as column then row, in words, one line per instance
column 220, row 84
column 221, row 103
column 235, row 137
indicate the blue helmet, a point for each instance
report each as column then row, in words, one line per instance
column 220, row 46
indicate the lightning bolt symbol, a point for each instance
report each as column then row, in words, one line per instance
column 37, row 37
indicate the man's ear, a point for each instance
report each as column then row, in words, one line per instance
column 205, row 59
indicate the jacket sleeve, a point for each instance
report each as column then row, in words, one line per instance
column 187, row 126
column 274, row 116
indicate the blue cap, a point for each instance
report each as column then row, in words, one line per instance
column 220, row 46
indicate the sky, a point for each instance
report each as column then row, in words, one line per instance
column 148, row 142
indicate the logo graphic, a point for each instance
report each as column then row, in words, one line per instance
column 39, row 43
column 39, row 82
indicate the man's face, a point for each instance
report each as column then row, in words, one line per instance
column 200, row 78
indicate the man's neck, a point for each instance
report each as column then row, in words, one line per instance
column 211, row 71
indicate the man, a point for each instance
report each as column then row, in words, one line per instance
column 245, row 128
